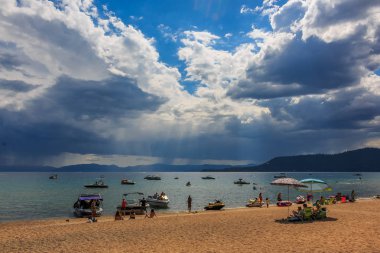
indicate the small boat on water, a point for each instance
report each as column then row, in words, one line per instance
column 82, row 207
column 99, row 183
column 152, row 177
column 358, row 174
column 158, row 201
column 176, row 178
column 216, row 205
column 127, row 181
column 188, row 184
column 135, row 202
column 240, row 181
column 281, row 175
column 55, row 176
column 208, row 177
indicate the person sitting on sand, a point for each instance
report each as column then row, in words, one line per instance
column 118, row 216
column 132, row 215
column 353, row 196
column 297, row 215
column 152, row 214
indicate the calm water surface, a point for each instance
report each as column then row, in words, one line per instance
column 34, row 196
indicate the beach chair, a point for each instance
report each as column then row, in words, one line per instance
column 308, row 213
column 330, row 201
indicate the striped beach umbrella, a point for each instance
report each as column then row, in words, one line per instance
column 289, row 182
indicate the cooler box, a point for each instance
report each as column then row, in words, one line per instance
column 343, row 199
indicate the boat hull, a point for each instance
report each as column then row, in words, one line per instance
column 158, row 203
column 214, row 207
column 96, row 186
column 81, row 212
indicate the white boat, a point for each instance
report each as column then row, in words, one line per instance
column 240, row 181
column 82, row 207
column 127, row 181
column 152, row 177
column 158, row 201
column 99, row 183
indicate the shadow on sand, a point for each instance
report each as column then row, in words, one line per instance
column 285, row 221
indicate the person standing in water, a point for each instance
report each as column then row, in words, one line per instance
column 189, row 202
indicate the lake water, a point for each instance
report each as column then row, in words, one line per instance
column 34, row 196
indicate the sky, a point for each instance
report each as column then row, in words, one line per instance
column 135, row 82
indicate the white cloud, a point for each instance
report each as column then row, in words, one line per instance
column 167, row 32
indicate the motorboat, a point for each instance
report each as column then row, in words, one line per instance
column 99, row 183
column 82, row 207
column 300, row 199
column 135, row 203
column 55, row 176
column 188, row 184
column 240, row 181
column 281, row 175
column 152, row 177
column 254, row 203
column 127, row 181
column 208, row 177
column 176, row 178
column 158, row 201
column 216, row 205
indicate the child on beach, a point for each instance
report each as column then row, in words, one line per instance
column 267, row 202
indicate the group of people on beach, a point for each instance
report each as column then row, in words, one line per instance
column 295, row 215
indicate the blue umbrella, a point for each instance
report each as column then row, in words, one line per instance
column 315, row 185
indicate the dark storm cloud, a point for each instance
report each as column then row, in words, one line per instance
column 307, row 67
column 16, row 86
column 111, row 98
column 347, row 110
column 62, row 120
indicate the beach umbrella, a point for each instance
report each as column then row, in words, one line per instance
column 289, row 182
column 314, row 185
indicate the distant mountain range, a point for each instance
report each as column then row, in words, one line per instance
column 360, row 160
column 114, row 168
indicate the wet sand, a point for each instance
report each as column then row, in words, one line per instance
column 351, row 227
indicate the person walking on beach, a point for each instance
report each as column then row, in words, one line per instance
column 189, row 200
column 267, row 202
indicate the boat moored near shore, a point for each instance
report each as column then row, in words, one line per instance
column 82, row 207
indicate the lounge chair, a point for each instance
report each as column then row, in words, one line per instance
column 308, row 213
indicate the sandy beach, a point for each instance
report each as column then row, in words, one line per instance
column 351, row 227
